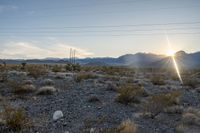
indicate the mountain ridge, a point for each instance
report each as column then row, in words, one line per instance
column 186, row 60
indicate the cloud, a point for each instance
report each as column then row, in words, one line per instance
column 27, row 50
column 5, row 8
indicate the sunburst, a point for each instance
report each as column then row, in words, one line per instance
column 172, row 54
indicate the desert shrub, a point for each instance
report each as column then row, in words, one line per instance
column 190, row 82
column 73, row 67
column 190, row 122
column 57, row 68
column 191, row 117
column 84, row 76
column 93, row 99
column 15, row 119
column 160, row 102
column 157, row 80
column 128, row 126
column 27, row 82
column 23, row 65
column 130, row 93
column 3, row 76
column 36, row 70
column 91, row 122
column 120, row 71
column 20, row 88
column 174, row 109
column 46, row 90
column 48, row 82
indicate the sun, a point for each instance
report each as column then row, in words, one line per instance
column 171, row 52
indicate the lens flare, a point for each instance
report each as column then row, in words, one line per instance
column 171, row 53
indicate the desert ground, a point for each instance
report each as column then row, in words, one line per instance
column 82, row 99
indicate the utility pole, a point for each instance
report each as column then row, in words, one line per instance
column 70, row 56
column 74, row 56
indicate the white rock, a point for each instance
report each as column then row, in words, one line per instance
column 57, row 115
column 92, row 130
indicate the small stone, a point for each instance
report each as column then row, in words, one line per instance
column 92, row 130
column 57, row 115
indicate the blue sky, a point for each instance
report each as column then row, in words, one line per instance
column 97, row 28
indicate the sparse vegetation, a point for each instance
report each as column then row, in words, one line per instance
column 46, row 90
column 20, row 88
column 57, row 68
column 130, row 93
column 93, row 99
column 84, row 76
column 158, row 103
column 128, row 126
column 157, row 80
column 190, row 82
column 190, row 121
column 15, row 119
column 36, row 70
column 48, row 82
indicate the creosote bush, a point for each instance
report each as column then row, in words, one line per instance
column 84, row 76
column 157, row 80
column 158, row 103
column 130, row 93
column 190, row 82
column 15, row 119
column 126, row 126
column 36, row 70
column 57, row 68
column 20, row 88
column 73, row 67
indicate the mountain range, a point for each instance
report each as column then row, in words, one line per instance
column 183, row 59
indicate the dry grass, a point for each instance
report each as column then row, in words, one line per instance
column 84, row 76
column 20, row 88
column 130, row 93
column 159, row 103
column 57, row 68
column 36, row 70
column 15, row 119
column 128, row 126
column 157, row 80
column 46, row 90
column 190, row 122
column 190, row 82
column 48, row 82
column 93, row 99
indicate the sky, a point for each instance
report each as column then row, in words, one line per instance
column 97, row 28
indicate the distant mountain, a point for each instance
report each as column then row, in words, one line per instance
column 139, row 59
column 183, row 59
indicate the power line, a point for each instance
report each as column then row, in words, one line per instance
column 104, row 12
column 96, row 4
column 102, row 31
column 107, row 26
column 132, row 34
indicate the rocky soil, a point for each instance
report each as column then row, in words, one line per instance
column 89, row 104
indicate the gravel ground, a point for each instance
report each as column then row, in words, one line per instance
column 80, row 114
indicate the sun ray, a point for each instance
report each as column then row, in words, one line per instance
column 171, row 53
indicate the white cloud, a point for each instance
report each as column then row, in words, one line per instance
column 5, row 8
column 27, row 50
